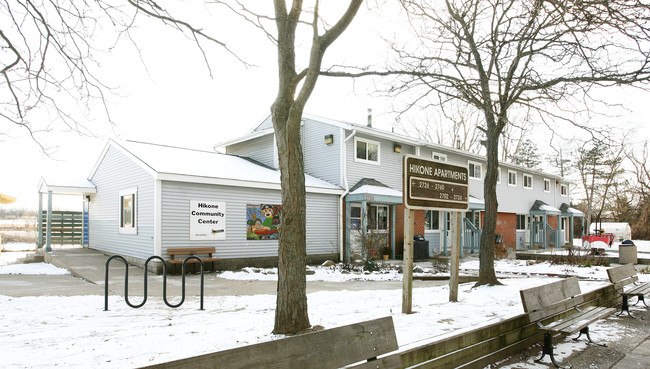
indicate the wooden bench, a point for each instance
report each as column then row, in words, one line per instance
column 192, row 251
column 331, row 348
column 556, row 304
column 627, row 284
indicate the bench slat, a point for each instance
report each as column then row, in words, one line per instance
column 541, row 297
column 332, row 348
column 205, row 260
column 620, row 273
column 191, row 250
column 640, row 289
column 579, row 320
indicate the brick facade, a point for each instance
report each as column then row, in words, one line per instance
column 507, row 226
column 399, row 227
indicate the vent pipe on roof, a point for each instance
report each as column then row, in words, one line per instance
column 369, row 117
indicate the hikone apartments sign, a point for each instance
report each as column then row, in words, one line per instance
column 207, row 220
column 433, row 185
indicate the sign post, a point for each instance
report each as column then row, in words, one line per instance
column 407, row 269
column 432, row 185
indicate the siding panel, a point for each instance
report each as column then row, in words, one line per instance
column 115, row 173
column 176, row 196
column 321, row 160
column 261, row 149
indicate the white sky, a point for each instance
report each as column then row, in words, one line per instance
column 173, row 100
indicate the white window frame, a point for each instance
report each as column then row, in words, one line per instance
column 512, row 184
column 530, row 176
column 441, row 157
column 438, row 227
column 134, row 211
column 564, row 190
column 375, row 227
column 547, row 184
column 378, row 144
column 471, row 173
column 359, row 218
column 526, row 223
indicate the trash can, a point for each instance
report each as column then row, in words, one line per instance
column 627, row 252
column 420, row 248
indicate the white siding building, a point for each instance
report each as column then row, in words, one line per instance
column 144, row 192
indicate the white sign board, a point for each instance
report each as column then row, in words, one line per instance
column 207, row 220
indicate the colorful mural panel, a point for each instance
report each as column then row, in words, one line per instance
column 263, row 221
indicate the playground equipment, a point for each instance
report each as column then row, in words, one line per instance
column 599, row 239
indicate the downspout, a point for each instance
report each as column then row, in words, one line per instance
column 344, row 174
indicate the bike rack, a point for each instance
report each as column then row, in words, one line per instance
column 146, row 272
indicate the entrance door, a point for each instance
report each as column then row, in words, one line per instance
column 564, row 222
column 356, row 234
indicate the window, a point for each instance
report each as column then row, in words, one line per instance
column 431, row 220
column 547, row 185
column 563, row 190
column 528, row 181
column 355, row 218
column 474, row 170
column 366, row 151
column 441, row 157
column 378, row 217
column 522, row 221
column 128, row 220
column 512, row 178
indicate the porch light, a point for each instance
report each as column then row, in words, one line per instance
column 329, row 139
column 397, row 148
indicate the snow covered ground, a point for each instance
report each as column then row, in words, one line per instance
column 75, row 332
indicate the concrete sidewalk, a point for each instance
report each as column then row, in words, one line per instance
column 90, row 265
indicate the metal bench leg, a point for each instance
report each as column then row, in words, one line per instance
column 625, row 307
column 585, row 330
column 548, row 349
column 641, row 298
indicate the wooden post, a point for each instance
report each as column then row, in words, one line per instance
column 407, row 269
column 48, row 235
column 455, row 256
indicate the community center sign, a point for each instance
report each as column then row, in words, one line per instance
column 434, row 185
column 207, row 220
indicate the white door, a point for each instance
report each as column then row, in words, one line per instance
column 356, row 234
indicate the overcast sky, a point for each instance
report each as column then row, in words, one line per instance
column 165, row 95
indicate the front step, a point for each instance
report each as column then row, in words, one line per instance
column 31, row 258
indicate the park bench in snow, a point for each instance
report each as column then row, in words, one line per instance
column 332, row 348
column 627, row 284
column 554, row 307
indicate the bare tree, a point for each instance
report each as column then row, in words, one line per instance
column 50, row 59
column 641, row 226
column 36, row 35
column 295, row 86
column 599, row 165
column 540, row 58
column 454, row 126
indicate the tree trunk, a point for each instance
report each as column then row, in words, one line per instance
column 486, row 274
column 291, row 306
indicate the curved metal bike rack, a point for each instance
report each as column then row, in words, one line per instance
column 146, row 272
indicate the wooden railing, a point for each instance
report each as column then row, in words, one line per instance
column 67, row 227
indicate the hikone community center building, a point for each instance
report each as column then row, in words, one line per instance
column 142, row 199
